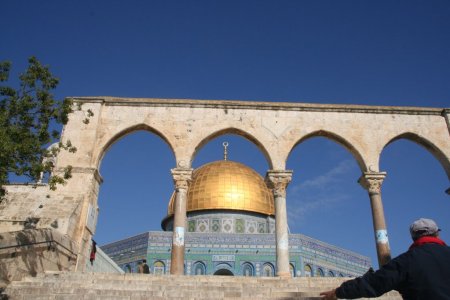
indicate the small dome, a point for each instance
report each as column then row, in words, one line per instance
column 227, row 185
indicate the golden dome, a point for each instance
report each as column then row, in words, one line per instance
column 227, row 185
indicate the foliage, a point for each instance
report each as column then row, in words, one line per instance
column 27, row 116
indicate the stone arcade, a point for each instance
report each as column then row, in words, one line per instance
column 65, row 219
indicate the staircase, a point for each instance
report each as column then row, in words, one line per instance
column 103, row 286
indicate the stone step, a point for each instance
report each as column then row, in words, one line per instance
column 86, row 286
column 187, row 280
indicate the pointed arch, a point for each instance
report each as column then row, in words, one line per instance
column 337, row 139
column 121, row 134
column 223, row 269
column 235, row 131
column 268, row 270
column 248, row 269
column 425, row 143
column 159, row 267
column 308, row 271
column 292, row 270
column 199, row 268
column 223, row 272
column 319, row 272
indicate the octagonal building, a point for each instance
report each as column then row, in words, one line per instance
column 231, row 231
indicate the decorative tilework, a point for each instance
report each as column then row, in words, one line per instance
column 261, row 227
column 227, row 225
column 256, row 249
column 215, row 225
column 191, row 225
column 272, row 228
column 250, row 227
column 203, row 225
column 239, row 226
column 217, row 217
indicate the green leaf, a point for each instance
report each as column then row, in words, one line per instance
column 28, row 113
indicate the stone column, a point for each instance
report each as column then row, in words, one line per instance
column 445, row 113
column 372, row 181
column 181, row 178
column 278, row 180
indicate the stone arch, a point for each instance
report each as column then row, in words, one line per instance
column 425, row 143
column 235, row 131
column 339, row 140
column 186, row 125
column 124, row 132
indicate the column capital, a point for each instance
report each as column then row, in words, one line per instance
column 372, row 181
column 181, row 177
column 278, row 180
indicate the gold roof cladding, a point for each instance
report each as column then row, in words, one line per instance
column 227, row 185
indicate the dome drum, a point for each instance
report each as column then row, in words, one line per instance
column 225, row 221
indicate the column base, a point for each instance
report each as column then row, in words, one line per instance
column 284, row 274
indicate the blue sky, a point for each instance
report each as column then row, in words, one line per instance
column 358, row 52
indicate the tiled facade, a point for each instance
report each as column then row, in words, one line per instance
column 236, row 254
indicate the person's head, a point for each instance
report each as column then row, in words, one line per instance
column 144, row 261
column 423, row 227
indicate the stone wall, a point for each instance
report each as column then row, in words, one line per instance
column 102, row 264
column 36, row 206
column 29, row 252
column 187, row 125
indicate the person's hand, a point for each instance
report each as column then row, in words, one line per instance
column 329, row 295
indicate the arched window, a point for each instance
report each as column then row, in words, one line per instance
column 199, row 268
column 268, row 270
column 320, row 273
column 308, row 271
column 341, row 275
column 247, row 269
column 159, row 268
column 292, row 270
column 330, row 274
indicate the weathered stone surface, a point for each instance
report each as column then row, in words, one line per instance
column 187, row 125
column 33, row 251
column 140, row 286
